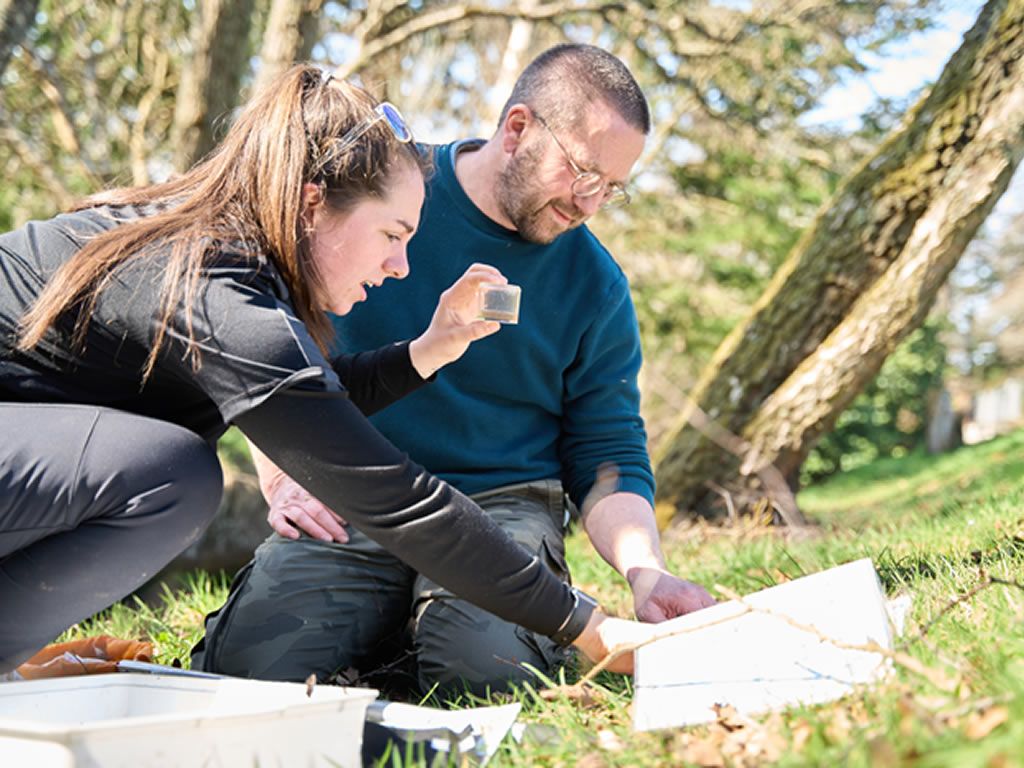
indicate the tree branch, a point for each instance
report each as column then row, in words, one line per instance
column 35, row 163
column 137, row 142
column 442, row 17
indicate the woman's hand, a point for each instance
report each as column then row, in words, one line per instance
column 292, row 509
column 604, row 636
column 456, row 323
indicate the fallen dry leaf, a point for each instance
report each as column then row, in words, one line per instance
column 581, row 695
column 729, row 718
column 609, row 741
column 908, row 714
column 981, row 724
column 704, row 754
column 592, row 760
column 883, row 754
column 839, row 729
column 802, row 733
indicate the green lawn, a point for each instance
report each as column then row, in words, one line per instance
column 936, row 528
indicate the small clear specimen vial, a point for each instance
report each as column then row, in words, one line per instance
column 500, row 302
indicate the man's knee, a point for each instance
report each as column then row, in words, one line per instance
column 302, row 607
column 255, row 633
column 462, row 648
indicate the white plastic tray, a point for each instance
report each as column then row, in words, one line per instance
column 157, row 720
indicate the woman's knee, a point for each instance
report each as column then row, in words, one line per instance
column 200, row 476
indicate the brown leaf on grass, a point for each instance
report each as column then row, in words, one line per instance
column 609, row 741
column 838, row 730
column 908, row 714
column 729, row 718
column 581, row 695
column 802, row 732
column 883, row 754
column 592, row 760
column 754, row 747
column 704, row 753
column 740, row 740
column 859, row 713
column 981, row 724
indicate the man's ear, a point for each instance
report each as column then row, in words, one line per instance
column 513, row 126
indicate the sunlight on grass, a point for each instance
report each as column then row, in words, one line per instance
column 936, row 528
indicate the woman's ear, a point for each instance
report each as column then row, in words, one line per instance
column 312, row 195
column 312, row 198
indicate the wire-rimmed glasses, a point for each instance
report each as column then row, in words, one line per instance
column 590, row 183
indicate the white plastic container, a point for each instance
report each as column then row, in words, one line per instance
column 132, row 720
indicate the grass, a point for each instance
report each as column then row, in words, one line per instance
column 937, row 529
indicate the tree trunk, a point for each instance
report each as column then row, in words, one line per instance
column 16, row 18
column 291, row 34
column 513, row 61
column 211, row 78
column 866, row 272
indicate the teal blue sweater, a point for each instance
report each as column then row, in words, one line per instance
column 553, row 397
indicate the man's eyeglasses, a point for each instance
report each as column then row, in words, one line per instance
column 590, row 183
column 385, row 111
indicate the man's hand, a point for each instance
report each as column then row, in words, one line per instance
column 456, row 323
column 292, row 509
column 659, row 596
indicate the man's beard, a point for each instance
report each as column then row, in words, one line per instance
column 521, row 203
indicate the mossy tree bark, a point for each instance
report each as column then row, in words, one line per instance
column 211, row 78
column 292, row 28
column 865, row 273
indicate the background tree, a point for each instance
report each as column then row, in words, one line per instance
column 211, row 76
column 16, row 16
column 292, row 31
column 730, row 178
column 88, row 101
column 866, row 273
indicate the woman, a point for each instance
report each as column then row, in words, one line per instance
column 135, row 329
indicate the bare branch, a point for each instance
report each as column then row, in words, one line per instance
column 443, row 17
column 33, row 161
column 774, row 483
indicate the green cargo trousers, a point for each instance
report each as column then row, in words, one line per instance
column 305, row 606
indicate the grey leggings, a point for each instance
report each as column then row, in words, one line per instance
column 93, row 502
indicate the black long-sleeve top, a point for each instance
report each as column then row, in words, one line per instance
column 260, row 369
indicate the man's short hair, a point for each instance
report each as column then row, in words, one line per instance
column 564, row 80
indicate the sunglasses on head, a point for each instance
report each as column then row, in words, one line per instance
column 385, row 111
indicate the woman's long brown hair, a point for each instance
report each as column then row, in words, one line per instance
column 248, row 192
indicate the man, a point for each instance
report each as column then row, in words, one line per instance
column 542, row 408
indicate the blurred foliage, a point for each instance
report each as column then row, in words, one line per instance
column 890, row 418
column 234, row 451
column 730, row 176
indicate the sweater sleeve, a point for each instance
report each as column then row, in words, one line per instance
column 377, row 378
column 322, row 441
column 601, row 425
